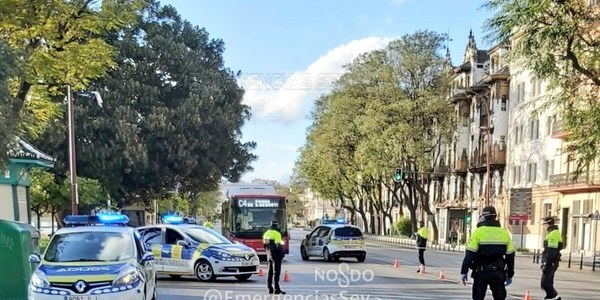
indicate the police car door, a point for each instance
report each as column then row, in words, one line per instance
column 147, row 268
column 152, row 238
column 176, row 262
column 322, row 239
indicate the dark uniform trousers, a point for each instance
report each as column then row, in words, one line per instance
column 494, row 279
column 548, row 280
column 274, row 267
column 421, row 256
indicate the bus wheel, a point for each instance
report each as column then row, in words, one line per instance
column 243, row 277
column 303, row 253
column 204, row 271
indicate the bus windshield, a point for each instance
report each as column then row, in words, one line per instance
column 256, row 215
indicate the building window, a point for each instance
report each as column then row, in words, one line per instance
column 531, row 172
column 534, row 129
column 503, row 103
column 547, row 170
column 547, row 210
column 502, row 142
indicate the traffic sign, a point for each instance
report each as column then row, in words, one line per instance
column 596, row 216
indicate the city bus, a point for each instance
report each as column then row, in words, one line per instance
column 248, row 213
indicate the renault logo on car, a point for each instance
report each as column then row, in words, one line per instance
column 247, row 256
column 80, row 286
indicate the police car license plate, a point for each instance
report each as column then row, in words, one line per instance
column 81, row 297
column 246, row 263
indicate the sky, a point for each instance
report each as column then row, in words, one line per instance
column 289, row 53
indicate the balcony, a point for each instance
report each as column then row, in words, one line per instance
column 440, row 171
column 558, row 130
column 478, row 163
column 460, row 166
column 567, row 184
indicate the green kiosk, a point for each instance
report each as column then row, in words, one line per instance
column 18, row 239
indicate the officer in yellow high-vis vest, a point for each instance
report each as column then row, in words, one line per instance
column 275, row 253
column 491, row 255
column 553, row 243
column 421, row 246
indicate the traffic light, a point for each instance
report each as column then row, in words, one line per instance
column 398, row 176
column 468, row 218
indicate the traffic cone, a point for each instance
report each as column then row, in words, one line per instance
column 286, row 277
column 396, row 263
column 442, row 275
column 527, row 296
column 261, row 272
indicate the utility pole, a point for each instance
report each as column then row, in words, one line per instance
column 72, row 153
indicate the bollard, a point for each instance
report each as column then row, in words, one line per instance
column 581, row 262
column 569, row 260
column 534, row 255
column 537, row 260
column 594, row 263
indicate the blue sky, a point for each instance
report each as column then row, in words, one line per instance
column 289, row 52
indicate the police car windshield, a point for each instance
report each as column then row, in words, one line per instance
column 205, row 235
column 90, row 246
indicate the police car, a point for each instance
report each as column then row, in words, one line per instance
column 96, row 257
column 187, row 249
column 334, row 240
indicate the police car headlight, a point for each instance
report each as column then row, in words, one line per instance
column 39, row 280
column 223, row 254
column 127, row 277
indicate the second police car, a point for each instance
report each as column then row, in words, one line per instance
column 95, row 258
column 189, row 249
column 334, row 240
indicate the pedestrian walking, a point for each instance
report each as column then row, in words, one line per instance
column 275, row 253
column 553, row 243
column 421, row 246
column 490, row 255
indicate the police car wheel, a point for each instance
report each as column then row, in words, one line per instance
column 361, row 258
column 303, row 253
column 326, row 255
column 243, row 277
column 204, row 271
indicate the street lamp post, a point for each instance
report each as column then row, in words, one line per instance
column 72, row 152
column 488, row 150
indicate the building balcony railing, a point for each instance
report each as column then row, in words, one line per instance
column 568, row 183
column 558, row 130
column 440, row 171
column 460, row 166
column 478, row 163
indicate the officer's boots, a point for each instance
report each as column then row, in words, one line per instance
column 421, row 269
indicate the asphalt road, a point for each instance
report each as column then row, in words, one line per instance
column 376, row 278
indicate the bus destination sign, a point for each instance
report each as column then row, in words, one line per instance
column 259, row 203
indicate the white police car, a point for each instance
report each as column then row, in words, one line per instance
column 334, row 240
column 187, row 249
column 96, row 262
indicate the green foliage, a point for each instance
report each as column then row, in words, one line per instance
column 8, row 68
column 558, row 41
column 387, row 110
column 403, row 227
column 172, row 115
column 295, row 204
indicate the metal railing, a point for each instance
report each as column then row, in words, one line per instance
column 574, row 260
column 406, row 241
column 567, row 179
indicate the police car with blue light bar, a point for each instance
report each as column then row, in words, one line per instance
column 94, row 258
column 182, row 248
column 334, row 240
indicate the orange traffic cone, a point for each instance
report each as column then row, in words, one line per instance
column 261, row 272
column 527, row 296
column 286, row 277
column 396, row 263
column 442, row 275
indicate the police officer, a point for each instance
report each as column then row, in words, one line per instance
column 422, row 245
column 553, row 243
column 491, row 255
column 209, row 224
column 273, row 245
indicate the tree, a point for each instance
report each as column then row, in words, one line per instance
column 172, row 114
column 60, row 42
column 295, row 204
column 8, row 68
column 43, row 193
column 558, row 41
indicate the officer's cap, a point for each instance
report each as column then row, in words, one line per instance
column 421, row 223
column 488, row 211
column 548, row 220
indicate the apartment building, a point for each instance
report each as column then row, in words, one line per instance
column 480, row 95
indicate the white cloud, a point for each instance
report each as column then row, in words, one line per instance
column 286, row 97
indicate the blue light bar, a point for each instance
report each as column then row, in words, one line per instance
column 173, row 219
column 189, row 221
column 100, row 219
